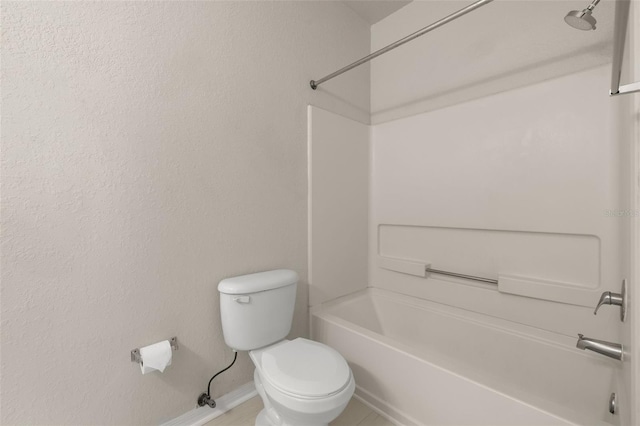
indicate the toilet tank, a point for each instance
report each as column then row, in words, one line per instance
column 257, row 309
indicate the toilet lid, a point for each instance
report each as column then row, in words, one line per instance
column 306, row 368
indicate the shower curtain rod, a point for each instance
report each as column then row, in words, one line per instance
column 315, row 83
column 620, row 28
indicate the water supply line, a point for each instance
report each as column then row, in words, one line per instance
column 205, row 398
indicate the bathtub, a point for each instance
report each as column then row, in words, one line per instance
column 424, row 363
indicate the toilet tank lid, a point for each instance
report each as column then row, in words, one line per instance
column 260, row 281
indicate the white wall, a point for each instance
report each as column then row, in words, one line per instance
column 151, row 149
column 338, row 205
column 516, row 183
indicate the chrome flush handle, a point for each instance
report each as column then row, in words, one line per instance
column 616, row 299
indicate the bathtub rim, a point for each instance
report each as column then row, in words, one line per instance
column 546, row 337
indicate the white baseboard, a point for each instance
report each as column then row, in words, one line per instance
column 387, row 411
column 201, row 415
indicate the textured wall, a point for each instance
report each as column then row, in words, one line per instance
column 151, row 149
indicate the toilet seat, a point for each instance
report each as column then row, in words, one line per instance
column 303, row 368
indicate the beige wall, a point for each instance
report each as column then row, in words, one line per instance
column 151, row 149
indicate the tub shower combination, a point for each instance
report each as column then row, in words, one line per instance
column 427, row 363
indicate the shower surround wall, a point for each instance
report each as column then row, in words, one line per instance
column 514, row 184
column 524, row 183
column 501, row 172
column 150, row 149
column 339, row 164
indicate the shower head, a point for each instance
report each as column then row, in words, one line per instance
column 582, row 20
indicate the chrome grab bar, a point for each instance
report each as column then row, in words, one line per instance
column 466, row 277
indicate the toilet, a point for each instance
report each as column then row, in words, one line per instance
column 301, row 382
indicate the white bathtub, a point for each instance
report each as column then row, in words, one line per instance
column 425, row 363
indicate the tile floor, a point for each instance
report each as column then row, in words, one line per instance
column 356, row 413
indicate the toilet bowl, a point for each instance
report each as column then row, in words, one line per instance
column 301, row 382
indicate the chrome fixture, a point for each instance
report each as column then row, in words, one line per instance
column 612, row 350
column 619, row 36
column 612, row 403
column 616, row 299
column 466, row 277
column 582, row 19
column 205, row 399
column 315, row 83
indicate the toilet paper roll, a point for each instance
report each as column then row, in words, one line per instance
column 155, row 357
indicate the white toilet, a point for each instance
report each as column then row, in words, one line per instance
column 301, row 382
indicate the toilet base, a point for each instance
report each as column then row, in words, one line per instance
column 262, row 419
column 269, row 416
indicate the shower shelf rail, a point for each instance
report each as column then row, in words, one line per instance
column 572, row 292
column 619, row 36
column 463, row 276
column 421, row 269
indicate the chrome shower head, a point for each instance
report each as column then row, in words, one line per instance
column 582, row 20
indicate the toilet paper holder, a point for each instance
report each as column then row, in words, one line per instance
column 135, row 353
